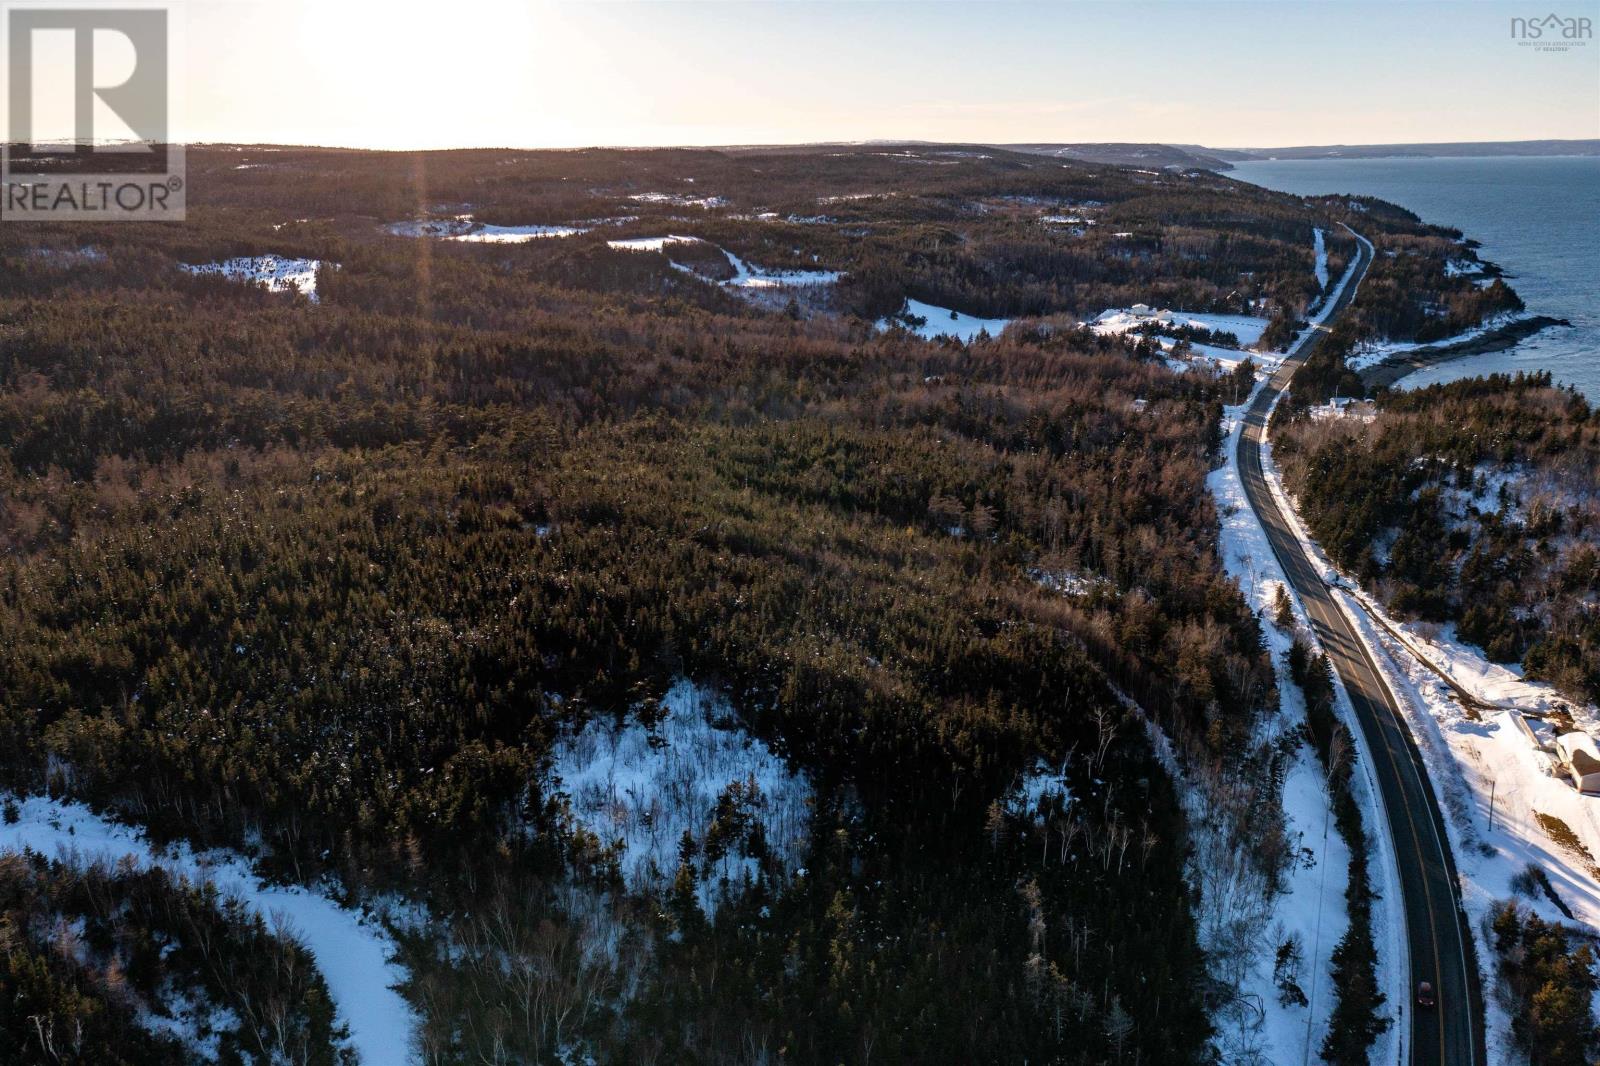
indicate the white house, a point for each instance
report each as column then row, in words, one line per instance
column 1582, row 760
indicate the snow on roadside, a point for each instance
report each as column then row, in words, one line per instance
column 277, row 273
column 1311, row 908
column 352, row 951
column 643, row 788
column 1480, row 762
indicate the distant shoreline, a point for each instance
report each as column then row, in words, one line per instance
column 1403, row 364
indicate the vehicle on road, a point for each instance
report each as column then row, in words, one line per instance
column 1425, row 997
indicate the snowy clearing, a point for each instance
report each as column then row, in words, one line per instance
column 649, row 244
column 464, row 228
column 747, row 279
column 353, row 952
column 1039, row 791
column 1247, row 328
column 1321, row 269
column 678, row 200
column 278, row 274
column 696, row 771
column 942, row 322
column 747, row 276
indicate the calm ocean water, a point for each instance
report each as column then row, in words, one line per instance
column 1538, row 218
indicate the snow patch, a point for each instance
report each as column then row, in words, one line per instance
column 277, row 273
column 642, row 788
column 1371, row 353
column 938, row 322
column 352, row 951
column 463, row 228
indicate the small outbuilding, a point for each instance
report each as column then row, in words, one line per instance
column 1581, row 759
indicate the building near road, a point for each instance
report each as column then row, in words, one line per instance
column 1581, row 760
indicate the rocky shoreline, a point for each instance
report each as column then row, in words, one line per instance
column 1391, row 370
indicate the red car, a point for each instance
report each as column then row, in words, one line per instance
column 1425, row 995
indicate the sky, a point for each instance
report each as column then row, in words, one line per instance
column 520, row 73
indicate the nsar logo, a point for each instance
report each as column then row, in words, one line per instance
column 1552, row 33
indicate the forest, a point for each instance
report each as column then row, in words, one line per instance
column 338, row 578
column 1472, row 503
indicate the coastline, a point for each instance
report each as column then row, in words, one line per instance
column 1394, row 368
column 1533, row 216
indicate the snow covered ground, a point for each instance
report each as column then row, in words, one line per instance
column 1321, row 269
column 747, row 276
column 649, row 244
column 464, row 228
column 1242, row 926
column 1040, row 790
column 1260, row 1027
column 1371, row 353
column 1248, row 328
column 277, row 273
column 943, row 322
column 1506, row 804
column 748, row 280
column 679, row 200
column 487, row 234
column 353, row 951
column 645, row 788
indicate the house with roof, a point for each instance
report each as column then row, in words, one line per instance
column 1581, row 760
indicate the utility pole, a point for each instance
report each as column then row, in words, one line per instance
column 1492, row 785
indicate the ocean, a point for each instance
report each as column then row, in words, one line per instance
column 1538, row 217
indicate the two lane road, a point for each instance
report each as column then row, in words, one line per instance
column 1437, row 937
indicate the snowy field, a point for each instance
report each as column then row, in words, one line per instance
column 748, row 280
column 649, row 244
column 642, row 789
column 464, row 228
column 1248, row 328
column 943, row 322
column 352, row 951
column 679, row 200
column 277, row 273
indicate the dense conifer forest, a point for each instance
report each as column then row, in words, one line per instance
column 1473, row 503
column 337, row 580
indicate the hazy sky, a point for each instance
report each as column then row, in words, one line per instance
column 402, row 73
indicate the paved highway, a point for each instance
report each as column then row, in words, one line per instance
column 1439, row 943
